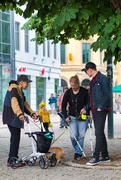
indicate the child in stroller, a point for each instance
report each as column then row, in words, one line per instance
column 45, row 116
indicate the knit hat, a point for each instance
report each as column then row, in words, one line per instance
column 42, row 104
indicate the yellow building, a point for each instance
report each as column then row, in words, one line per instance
column 76, row 54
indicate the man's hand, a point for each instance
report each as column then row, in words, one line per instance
column 22, row 118
column 83, row 111
column 98, row 109
column 34, row 116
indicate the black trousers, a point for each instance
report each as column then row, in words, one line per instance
column 99, row 118
column 46, row 126
column 14, row 141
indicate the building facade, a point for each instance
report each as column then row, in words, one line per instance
column 76, row 54
column 20, row 55
column 5, row 54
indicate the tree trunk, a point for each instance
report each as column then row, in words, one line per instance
column 116, row 4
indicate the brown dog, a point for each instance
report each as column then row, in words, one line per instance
column 59, row 154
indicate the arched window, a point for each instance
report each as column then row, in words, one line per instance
column 63, row 83
column 85, row 83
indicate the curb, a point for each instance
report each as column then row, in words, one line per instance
column 76, row 165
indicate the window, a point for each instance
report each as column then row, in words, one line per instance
column 55, row 51
column 36, row 48
column 27, row 93
column 26, row 40
column 5, row 37
column 44, row 49
column 48, row 48
column 6, row 30
column 6, row 16
column 56, row 86
column 85, row 53
column 63, row 83
column 63, row 60
column 17, row 38
column 40, row 91
column 85, row 83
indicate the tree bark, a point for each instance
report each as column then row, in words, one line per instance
column 116, row 4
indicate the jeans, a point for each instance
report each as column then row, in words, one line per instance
column 63, row 123
column 14, row 142
column 119, row 108
column 52, row 106
column 99, row 118
column 79, row 129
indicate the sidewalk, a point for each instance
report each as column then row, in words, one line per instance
column 70, row 169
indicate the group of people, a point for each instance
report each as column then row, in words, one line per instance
column 73, row 102
column 82, row 101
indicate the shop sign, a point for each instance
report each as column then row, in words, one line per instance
column 22, row 69
column 42, row 71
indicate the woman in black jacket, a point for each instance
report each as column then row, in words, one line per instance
column 77, row 98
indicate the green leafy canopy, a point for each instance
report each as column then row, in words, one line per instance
column 61, row 20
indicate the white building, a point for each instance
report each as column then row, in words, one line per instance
column 40, row 62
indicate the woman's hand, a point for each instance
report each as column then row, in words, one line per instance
column 67, row 120
column 83, row 111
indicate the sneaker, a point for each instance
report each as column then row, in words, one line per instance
column 66, row 127
column 105, row 159
column 93, row 162
column 61, row 126
column 17, row 164
column 77, row 156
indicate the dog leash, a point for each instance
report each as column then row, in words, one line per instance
column 59, row 135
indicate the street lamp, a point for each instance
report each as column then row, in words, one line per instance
column 110, row 114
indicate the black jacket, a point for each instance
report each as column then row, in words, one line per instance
column 100, row 92
column 76, row 102
column 15, row 105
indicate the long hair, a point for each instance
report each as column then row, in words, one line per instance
column 75, row 80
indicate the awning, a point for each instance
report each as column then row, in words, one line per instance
column 117, row 88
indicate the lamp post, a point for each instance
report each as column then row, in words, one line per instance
column 110, row 114
column 12, row 42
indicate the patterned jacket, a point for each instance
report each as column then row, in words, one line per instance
column 15, row 105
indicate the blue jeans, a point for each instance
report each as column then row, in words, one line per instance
column 52, row 105
column 79, row 129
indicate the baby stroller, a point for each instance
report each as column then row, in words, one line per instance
column 43, row 142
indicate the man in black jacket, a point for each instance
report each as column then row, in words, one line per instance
column 15, row 106
column 99, row 105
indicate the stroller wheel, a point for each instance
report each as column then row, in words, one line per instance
column 52, row 160
column 31, row 161
column 43, row 163
column 12, row 162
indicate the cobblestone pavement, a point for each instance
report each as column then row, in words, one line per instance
column 70, row 169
